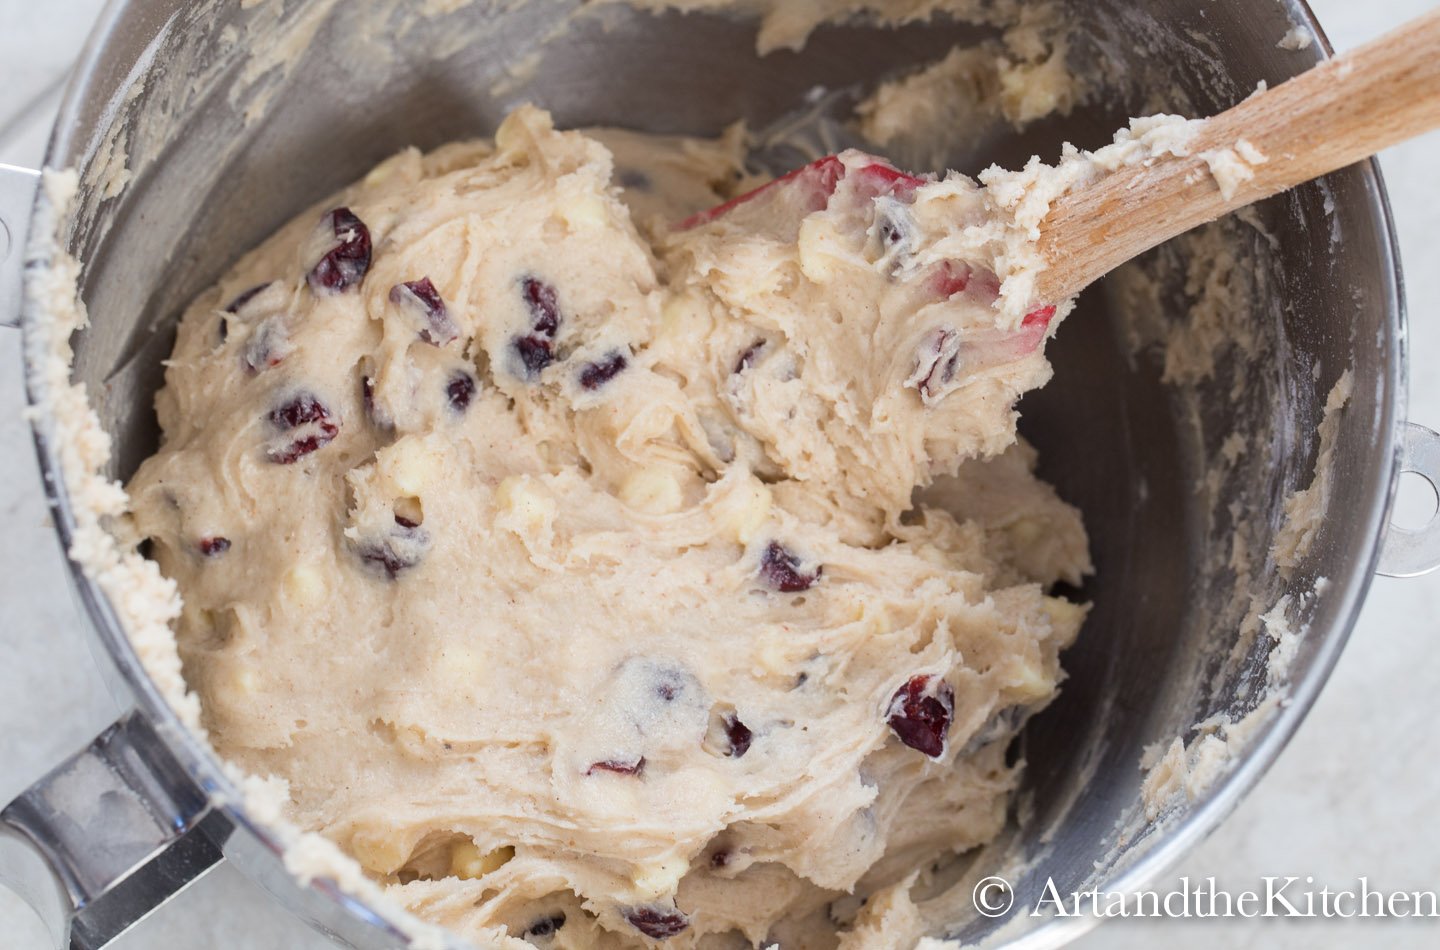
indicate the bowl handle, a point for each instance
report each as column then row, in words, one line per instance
column 17, row 195
column 1409, row 552
column 108, row 836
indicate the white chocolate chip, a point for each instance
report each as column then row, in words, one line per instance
column 1065, row 618
column 462, row 669
column 1063, row 614
column 379, row 852
column 523, row 505
column 1024, row 532
column 510, row 136
column 586, row 212
column 652, row 490
column 245, row 680
column 410, row 466
column 1029, row 682
column 468, row 862
column 305, row 585
column 654, row 881
column 776, row 656
column 819, row 247
column 685, row 316
column 751, row 511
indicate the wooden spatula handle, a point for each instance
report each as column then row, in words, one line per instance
column 1343, row 110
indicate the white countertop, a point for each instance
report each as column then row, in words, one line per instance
column 1355, row 793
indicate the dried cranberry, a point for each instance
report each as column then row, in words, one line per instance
column 781, row 570
column 346, row 263
column 664, row 702
column 936, row 363
column 240, row 301
column 422, row 297
column 308, row 414
column 597, row 374
column 544, row 307
column 383, row 557
column 298, row 411
column 636, row 179
column 400, row 550
column 891, row 231
column 214, row 546
column 894, row 230
column 535, row 354
column 536, row 349
column 748, row 358
column 920, row 713
column 726, row 735
column 301, row 447
column 739, row 735
column 657, row 923
column 460, row 390
column 546, row 926
column 633, row 766
column 894, row 227
column 268, row 346
column 374, row 411
column 367, row 395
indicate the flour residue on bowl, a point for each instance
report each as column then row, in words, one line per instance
column 1296, row 38
column 929, row 113
column 1227, row 312
column 1305, row 510
column 1181, row 772
column 787, row 24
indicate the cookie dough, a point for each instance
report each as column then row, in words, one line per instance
column 575, row 578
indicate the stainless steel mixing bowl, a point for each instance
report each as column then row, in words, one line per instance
column 227, row 130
